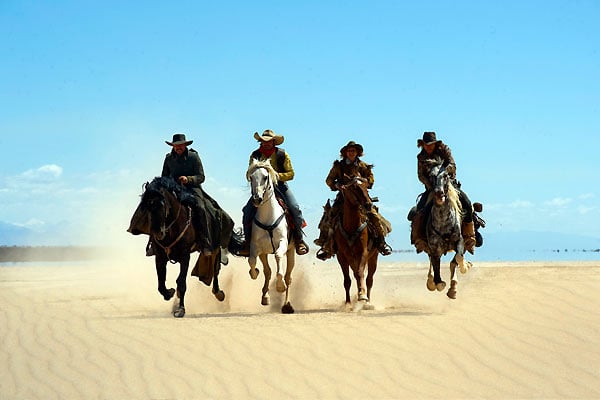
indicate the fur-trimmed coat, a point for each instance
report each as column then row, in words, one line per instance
column 341, row 172
column 442, row 152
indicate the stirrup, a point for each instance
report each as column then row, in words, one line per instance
column 385, row 249
column 150, row 250
column 301, row 248
column 323, row 254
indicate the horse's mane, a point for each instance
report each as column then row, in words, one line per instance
column 262, row 164
column 182, row 193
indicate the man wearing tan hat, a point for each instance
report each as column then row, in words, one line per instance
column 281, row 162
column 432, row 148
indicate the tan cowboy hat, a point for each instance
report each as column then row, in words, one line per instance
column 352, row 143
column 269, row 135
column 179, row 138
column 428, row 138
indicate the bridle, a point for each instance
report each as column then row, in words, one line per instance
column 167, row 249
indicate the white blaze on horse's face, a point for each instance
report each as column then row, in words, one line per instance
column 440, row 187
column 260, row 184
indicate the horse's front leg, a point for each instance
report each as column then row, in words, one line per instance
column 216, row 290
column 184, row 264
column 434, row 261
column 252, row 263
column 289, row 266
column 161, row 275
column 361, row 278
column 453, row 278
column 280, row 285
column 265, row 300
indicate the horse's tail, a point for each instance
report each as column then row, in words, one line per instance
column 236, row 241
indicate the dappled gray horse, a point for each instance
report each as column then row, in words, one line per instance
column 444, row 230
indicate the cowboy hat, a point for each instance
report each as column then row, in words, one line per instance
column 428, row 138
column 179, row 138
column 352, row 143
column 269, row 135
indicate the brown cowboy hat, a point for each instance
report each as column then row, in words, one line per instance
column 269, row 135
column 428, row 138
column 352, row 143
column 179, row 138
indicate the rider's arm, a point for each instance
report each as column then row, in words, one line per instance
column 288, row 171
column 446, row 154
column 332, row 177
column 197, row 178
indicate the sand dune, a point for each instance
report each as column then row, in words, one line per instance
column 102, row 331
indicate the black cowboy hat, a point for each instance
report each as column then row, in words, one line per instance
column 269, row 135
column 179, row 138
column 352, row 143
column 428, row 138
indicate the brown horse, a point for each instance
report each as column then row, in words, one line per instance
column 165, row 214
column 354, row 249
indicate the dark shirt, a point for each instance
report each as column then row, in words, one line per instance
column 187, row 164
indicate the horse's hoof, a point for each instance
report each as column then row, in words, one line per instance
column 430, row 284
column 452, row 291
column 168, row 295
column 280, row 285
column 363, row 297
column 440, row 286
column 179, row 312
column 465, row 267
column 287, row 308
column 265, row 301
column 220, row 295
column 253, row 273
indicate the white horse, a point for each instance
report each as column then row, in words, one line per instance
column 270, row 234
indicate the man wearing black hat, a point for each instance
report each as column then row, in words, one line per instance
column 431, row 149
column 342, row 171
column 184, row 165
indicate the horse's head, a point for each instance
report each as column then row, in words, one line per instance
column 440, row 180
column 151, row 214
column 355, row 192
column 262, row 178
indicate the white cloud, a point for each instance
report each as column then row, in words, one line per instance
column 45, row 173
column 520, row 204
column 558, row 202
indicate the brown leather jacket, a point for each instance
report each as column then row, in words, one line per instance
column 441, row 151
column 341, row 172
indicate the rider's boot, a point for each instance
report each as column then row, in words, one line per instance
column 468, row 233
column 383, row 247
column 415, row 234
column 202, row 238
column 245, row 248
column 323, row 234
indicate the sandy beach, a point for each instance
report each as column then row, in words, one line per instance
column 102, row 331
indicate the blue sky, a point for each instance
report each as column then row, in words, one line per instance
column 91, row 90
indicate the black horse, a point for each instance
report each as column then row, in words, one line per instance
column 165, row 214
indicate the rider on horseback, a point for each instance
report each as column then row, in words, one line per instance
column 431, row 149
column 282, row 164
column 341, row 173
column 211, row 222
